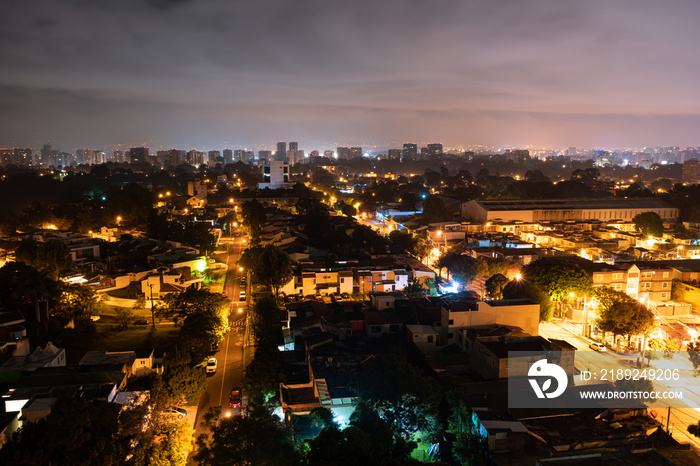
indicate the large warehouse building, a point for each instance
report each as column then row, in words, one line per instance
column 536, row 210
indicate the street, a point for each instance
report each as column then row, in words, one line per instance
column 229, row 373
column 594, row 361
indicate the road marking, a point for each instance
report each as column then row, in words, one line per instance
column 223, row 374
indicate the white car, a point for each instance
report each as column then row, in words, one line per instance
column 211, row 365
column 241, row 296
column 597, row 346
column 175, row 411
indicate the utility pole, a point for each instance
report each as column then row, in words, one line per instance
column 153, row 310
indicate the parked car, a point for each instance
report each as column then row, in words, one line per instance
column 595, row 346
column 345, row 295
column 224, row 293
column 234, row 399
column 211, row 366
column 241, row 296
column 243, row 280
column 175, row 411
column 141, row 322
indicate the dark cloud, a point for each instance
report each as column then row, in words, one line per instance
column 507, row 72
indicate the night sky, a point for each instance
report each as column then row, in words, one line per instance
column 211, row 74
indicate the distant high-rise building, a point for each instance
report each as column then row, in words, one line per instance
column 275, row 175
column 228, row 156
column 293, row 145
column 265, row 155
column 409, row 151
column 118, row 156
column 571, row 151
column 314, row 153
column 691, row 171
column 172, row 157
column 46, row 153
column 328, row 154
column 7, row 156
column 343, row 153
column 435, row 149
column 98, row 157
column 355, row 152
column 424, row 153
column 281, row 151
column 138, row 154
column 195, row 157
column 394, row 154
column 83, row 156
column 238, row 155
column 518, row 155
column 214, row 157
column 24, row 157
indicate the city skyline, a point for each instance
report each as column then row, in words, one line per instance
column 216, row 74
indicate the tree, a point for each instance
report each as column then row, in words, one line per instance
column 401, row 240
column 27, row 287
column 125, row 317
column 266, row 322
column 558, row 278
column 253, row 215
column 464, row 269
column 517, row 289
column 275, row 268
column 75, row 302
column 434, row 211
column 250, row 259
column 368, row 440
column 229, row 219
column 244, row 441
column 75, row 432
column 53, row 257
column 399, row 393
column 620, row 314
column 183, row 380
column 666, row 346
column 494, row 285
column 649, row 224
column 420, row 247
column 693, row 350
column 414, row 289
column 265, row 371
column 204, row 318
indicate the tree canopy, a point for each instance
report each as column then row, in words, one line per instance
column 524, row 289
column 75, row 432
column 620, row 314
column 270, row 265
column 204, row 317
column 494, row 285
column 649, row 224
column 53, row 257
column 434, row 211
column 558, row 277
column 246, row 440
column 400, row 393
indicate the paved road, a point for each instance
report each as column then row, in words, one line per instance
column 230, row 355
column 680, row 418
